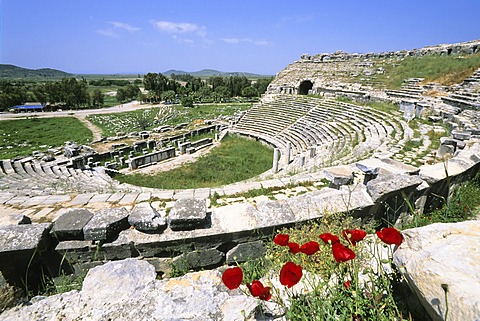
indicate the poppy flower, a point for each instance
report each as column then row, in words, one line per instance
column 281, row 239
column 354, row 236
column 309, row 248
column 232, row 277
column 341, row 253
column 258, row 290
column 290, row 274
column 347, row 284
column 390, row 235
column 329, row 238
column 294, row 247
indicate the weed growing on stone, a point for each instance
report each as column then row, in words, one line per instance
column 342, row 276
column 463, row 204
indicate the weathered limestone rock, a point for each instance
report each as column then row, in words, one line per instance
column 119, row 277
column 246, row 251
column 127, row 290
column 199, row 259
column 14, row 238
column 383, row 186
column 188, row 214
column 69, row 225
column 105, row 224
column 439, row 258
column 145, row 218
column 387, row 166
column 7, row 294
column 339, row 175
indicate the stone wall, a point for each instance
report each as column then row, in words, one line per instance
column 327, row 72
column 157, row 156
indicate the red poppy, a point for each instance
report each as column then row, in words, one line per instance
column 341, row 253
column 294, row 247
column 347, row 284
column 390, row 235
column 329, row 238
column 281, row 239
column 258, row 290
column 354, row 236
column 309, row 248
column 290, row 274
column 232, row 277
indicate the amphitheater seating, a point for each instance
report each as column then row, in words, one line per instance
column 344, row 132
column 30, row 177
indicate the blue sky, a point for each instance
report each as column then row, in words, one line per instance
column 139, row 36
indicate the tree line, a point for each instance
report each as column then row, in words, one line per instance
column 80, row 94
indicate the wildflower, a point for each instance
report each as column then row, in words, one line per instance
column 290, row 274
column 329, row 238
column 347, row 284
column 390, row 235
column 232, row 277
column 281, row 239
column 354, row 236
column 341, row 253
column 309, row 248
column 258, row 290
column 294, row 247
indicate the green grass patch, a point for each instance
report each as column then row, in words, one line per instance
column 236, row 159
column 446, row 70
column 22, row 137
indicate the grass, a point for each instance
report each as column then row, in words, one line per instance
column 236, row 159
column 446, row 70
column 22, row 137
column 463, row 204
column 112, row 124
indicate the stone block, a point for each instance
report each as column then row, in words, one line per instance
column 246, row 251
column 69, row 225
column 339, row 175
column 145, row 218
column 75, row 252
column 384, row 186
column 460, row 135
column 14, row 238
column 443, row 257
column 106, row 224
column 188, row 214
column 202, row 259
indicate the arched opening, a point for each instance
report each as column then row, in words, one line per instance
column 305, row 87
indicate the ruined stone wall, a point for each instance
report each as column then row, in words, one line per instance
column 328, row 71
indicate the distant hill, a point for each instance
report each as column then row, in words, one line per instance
column 11, row 71
column 212, row 72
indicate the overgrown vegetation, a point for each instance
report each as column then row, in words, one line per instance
column 236, row 159
column 146, row 119
column 463, row 204
column 22, row 137
column 446, row 70
column 338, row 289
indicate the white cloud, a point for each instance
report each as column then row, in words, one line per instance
column 107, row 33
column 246, row 40
column 180, row 28
column 124, row 26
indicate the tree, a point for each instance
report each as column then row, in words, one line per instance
column 249, row 92
column 187, row 101
column 97, row 98
column 168, row 96
column 121, row 95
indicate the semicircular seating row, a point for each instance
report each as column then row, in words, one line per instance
column 31, row 178
column 341, row 132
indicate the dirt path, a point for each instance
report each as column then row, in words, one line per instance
column 96, row 131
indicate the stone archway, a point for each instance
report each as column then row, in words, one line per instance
column 305, row 87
